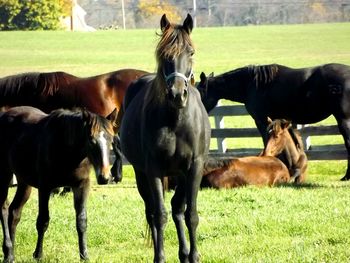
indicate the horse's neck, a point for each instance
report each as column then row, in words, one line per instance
column 292, row 151
column 233, row 85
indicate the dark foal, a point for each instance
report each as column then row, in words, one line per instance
column 285, row 142
column 47, row 91
column 49, row 151
column 165, row 131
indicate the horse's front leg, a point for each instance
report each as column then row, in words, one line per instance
column 191, row 214
column 117, row 168
column 42, row 222
column 261, row 124
column 160, row 213
column 80, row 197
column 178, row 208
column 344, row 129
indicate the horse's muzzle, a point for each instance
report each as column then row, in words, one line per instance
column 104, row 178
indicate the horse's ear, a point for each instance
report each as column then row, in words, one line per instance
column 211, row 75
column 203, row 77
column 188, row 24
column 285, row 124
column 164, row 22
column 269, row 121
column 112, row 116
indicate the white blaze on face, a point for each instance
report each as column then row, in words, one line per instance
column 104, row 149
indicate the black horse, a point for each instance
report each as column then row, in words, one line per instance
column 165, row 132
column 305, row 95
column 49, row 151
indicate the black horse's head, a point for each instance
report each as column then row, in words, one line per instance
column 174, row 56
column 209, row 99
column 100, row 136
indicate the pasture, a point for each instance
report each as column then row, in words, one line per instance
column 308, row 223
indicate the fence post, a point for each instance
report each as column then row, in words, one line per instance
column 306, row 140
column 219, row 123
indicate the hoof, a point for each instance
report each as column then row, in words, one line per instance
column 345, row 178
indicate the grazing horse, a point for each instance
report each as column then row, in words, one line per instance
column 305, row 95
column 284, row 142
column 165, row 131
column 49, row 151
column 250, row 170
column 100, row 94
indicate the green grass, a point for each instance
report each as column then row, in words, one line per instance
column 309, row 223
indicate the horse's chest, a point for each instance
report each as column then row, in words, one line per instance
column 169, row 144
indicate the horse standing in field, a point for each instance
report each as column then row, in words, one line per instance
column 49, row 151
column 101, row 94
column 285, row 142
column 305, row 95
column 165, row 131
column 250, row 170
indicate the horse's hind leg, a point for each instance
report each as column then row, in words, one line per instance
column 117, row 168
column 42, row 222
column 7, row 245
column 80, row 197
column 178, row 208
column 15, row 210
column 344, row 129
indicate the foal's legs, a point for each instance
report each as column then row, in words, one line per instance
column 344, row 129
column 80, row 197
column 178, row 208
column 42, row 222
column 117, row 168
column 7, row 245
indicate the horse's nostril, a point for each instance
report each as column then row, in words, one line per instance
column 185, row 94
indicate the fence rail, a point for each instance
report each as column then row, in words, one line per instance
column 220, row 133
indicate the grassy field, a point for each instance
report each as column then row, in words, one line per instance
column 309, row 223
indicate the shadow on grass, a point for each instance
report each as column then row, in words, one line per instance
column 315, row 185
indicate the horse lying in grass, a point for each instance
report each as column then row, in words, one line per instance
column 305, row 95
column 251, row 170
column 49, row 151
column 284, row 142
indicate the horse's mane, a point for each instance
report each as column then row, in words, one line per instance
column 296, row 138
column 76, row 121
column 35, row 83
column 173, row 41
column 263, row 74
column 51, row 82
column 12, row 85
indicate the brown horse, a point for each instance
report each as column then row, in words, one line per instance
column 251, row 170
column 100, row 94
column 49, row 151
column 284, row 142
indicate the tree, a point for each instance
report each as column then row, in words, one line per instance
column 152, row 10
column 30, row 14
